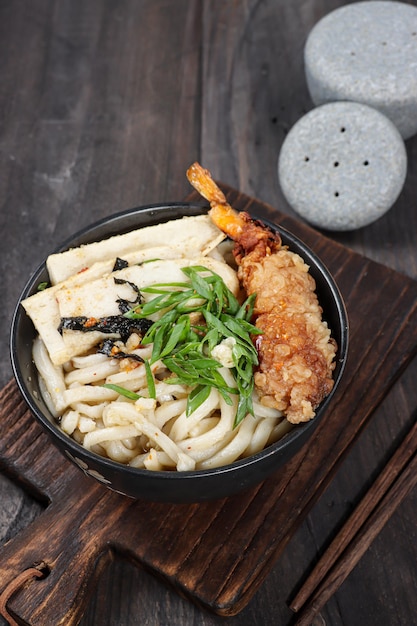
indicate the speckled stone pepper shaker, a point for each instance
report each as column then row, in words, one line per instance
column 367, row 52
column 342, row 165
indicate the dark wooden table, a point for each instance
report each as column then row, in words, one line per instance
column 103, row 105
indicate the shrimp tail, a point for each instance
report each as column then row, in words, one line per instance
column 250, row 235
column 222, row 214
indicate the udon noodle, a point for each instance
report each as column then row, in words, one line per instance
column 150, row 433
column 136, row 427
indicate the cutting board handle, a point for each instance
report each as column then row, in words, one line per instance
column 67, row 542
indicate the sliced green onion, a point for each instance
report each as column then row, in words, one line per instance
column 196, row 398
column 130, row 395
column 185, row 348
column 245, row 312
column 198, row 283
column 150, row 380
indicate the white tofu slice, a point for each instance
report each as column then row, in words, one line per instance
column 189, row 236
column 43, row 309
column 98, row 298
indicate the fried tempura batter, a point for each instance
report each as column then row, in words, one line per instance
column 296, row 352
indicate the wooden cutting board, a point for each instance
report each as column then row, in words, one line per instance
column 217, row 553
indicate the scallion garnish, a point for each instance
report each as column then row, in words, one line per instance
column 150, row 380
column 184, row 343
column 130, row 395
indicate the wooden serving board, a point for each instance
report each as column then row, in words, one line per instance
column 215, row 553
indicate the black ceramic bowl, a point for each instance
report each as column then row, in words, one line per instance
column 190, row 486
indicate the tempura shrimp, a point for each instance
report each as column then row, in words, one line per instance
column 296, row 350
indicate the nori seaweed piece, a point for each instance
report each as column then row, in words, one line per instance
column 112, row 324
column 117, row 324
column 109, row 348
column 126, row 305
column 120, row 264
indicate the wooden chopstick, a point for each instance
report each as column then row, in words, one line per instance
column 383, row 497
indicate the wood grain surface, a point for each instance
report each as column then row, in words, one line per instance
column 218, row 553
column 103, row 106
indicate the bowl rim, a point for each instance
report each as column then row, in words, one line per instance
column 192, row 208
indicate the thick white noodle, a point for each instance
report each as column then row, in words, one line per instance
column 52, row 376
column 95, row 411
column 112, row 433
column 259, row 436
column 69, row 421
column 88, row 393
column 151, row 433
column 118, row 451
column 224, row 425
column 93, row 373
column 234, row 449
column 168, row 410
column 184, row 424
column 183, row 461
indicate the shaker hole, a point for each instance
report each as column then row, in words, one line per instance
column 343, row 129
column 366, row 163
column 336, row 164
column 336, row 194
column 306, row 159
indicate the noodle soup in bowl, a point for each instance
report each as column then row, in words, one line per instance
column 185, row 478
